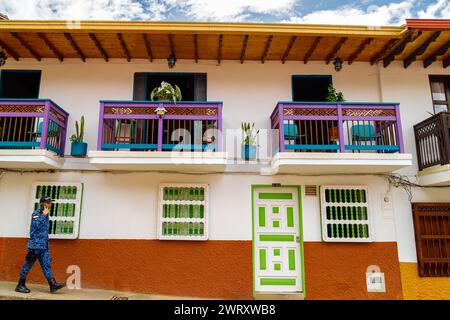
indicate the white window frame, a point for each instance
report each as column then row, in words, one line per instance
column 161, row 219
column 77, row 201
column 325, row 221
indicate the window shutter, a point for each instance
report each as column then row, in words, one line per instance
column 140, row 86
column 345, row 214
column 183, row 212
column 200, row 87
column 432, row 232
column 65, row 212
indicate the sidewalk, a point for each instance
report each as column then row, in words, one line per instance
column 41, row 292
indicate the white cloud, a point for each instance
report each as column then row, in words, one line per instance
column 234, row 10
column 393, row 13
column 440, row 9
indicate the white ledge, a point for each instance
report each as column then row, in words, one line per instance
column 319, row 163
column 159, row 161
column 30, row 159
column 435, row 176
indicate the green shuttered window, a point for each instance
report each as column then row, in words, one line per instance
column 345, row 214
column 183, row 212
column 65, row 212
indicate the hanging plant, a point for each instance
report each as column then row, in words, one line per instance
column 166, row 92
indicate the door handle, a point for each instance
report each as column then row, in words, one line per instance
column 297, row 239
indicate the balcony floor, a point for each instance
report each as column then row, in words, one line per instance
column 30, row 159
column 319, row 163
column 196, row 162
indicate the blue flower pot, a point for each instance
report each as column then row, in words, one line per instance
column 78, row 149
column 248, row 152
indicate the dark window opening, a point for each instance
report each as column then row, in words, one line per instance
column 20, row 84
column 192, row 85
column 440, row 93
column 310, row 88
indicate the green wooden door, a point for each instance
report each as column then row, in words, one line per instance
column 277, row 246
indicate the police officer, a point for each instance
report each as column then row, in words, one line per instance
column 38, row 247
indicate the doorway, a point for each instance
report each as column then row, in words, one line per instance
column 277, row 240
column 310, row 88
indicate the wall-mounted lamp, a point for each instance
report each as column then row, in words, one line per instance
column 3, row 58
column 337, row 64
column 171, row 60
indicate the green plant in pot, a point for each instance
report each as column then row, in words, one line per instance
column 166, row 92
column 78, row 147
column 248, row 150
column 334, row 96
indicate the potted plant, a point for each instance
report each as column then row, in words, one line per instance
column 166, row 92
column 334, row 96
column 248, row 150
column 78, row 147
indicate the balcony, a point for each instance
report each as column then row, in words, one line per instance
column 153, row 136
column 333, row 138
column 32, row 134
column 433, row 150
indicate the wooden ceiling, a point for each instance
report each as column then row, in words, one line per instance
column 428, row 42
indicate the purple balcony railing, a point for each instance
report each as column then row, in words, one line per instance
column 160, row 126
column 32, row 124
column 337, row 127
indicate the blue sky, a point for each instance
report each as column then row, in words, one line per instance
column 365, row 12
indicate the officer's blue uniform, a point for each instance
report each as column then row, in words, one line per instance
column 38, row 248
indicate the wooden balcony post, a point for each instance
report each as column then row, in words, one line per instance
column 44, row 133
column 340, row 129
column 398, row 128
column 160, row 129
column 100, row 126
column 281, row 126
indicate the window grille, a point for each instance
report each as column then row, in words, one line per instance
column 65, row 212
column 345, row 214
column 183, row 212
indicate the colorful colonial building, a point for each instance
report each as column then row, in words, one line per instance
column 344, row 200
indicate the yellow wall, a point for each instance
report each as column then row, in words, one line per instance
column 417, row 288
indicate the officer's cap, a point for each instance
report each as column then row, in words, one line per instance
column 46, row 199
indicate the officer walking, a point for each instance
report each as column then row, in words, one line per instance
column 38, row 248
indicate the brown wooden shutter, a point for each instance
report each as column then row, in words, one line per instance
column 432, row 232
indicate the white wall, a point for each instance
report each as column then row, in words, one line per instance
column 123, row 206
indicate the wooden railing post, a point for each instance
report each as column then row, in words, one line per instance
column 160, row 129
column 445, row 118
column 340, row 129
column 281, row 126
column 44, row 133
column 100, row 126
column 398, row 127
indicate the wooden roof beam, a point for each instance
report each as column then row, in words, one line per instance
column 336, row 49
column 219, row 50
column 380, row 54
column 420, row 50
column 26, row 46
column 9, row 51
column 446, row 62
column 360, row 49
column 244, row 48
column 288, row 49
column 74, row 46
column 99, row 47
column 409, row 37
column 148, row 47
column 50, row 45
column 439, row 52
column 266, row 48
column 311, row 50
column 124, row 47
column 196, row 48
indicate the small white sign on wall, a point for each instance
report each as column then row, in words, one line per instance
column 375, row 282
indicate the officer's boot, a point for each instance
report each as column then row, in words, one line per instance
column 55, row 286
column 21, row 286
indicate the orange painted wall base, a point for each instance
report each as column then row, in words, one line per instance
column 216, row 269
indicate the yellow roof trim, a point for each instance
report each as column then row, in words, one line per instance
column 200, row 28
